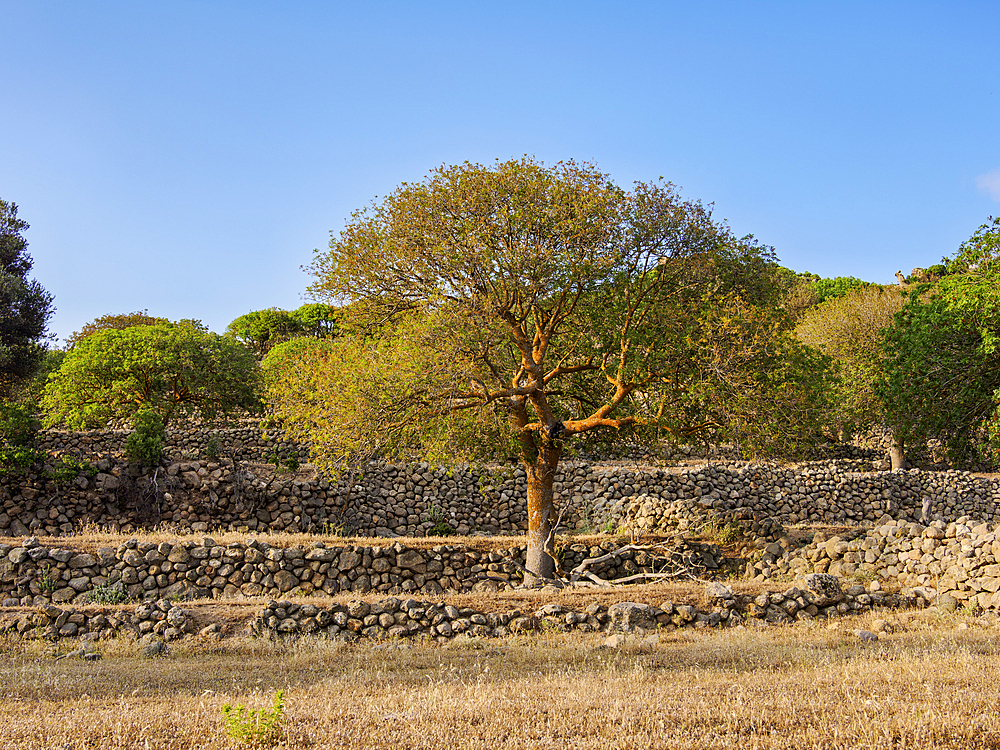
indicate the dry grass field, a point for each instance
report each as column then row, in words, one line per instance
column 931, row 684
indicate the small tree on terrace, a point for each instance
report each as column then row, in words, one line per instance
column 508, row 309
column 168, row 369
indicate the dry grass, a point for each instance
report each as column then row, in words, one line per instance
column 930, row 686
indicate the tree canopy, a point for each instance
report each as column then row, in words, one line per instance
column 262, row 329
column 511, row 308
column 25, row 306
column 851, row 329
column 119, row 322
column 169, row 369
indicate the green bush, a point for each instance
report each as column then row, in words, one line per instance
column 213, row 448
column 107, row 594
column 18, row 432
column 69, row 469
column 145, row 444
column 257, row 727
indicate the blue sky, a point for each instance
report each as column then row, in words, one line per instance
column 188, row 157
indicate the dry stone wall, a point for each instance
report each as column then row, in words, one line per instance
column 417, row 499
column 952, row 564
column 32, row 574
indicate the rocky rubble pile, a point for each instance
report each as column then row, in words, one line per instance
column 958, row 560
column 161, row 619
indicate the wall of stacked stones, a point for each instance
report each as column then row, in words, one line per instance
column 202, row 495
column 32, row 574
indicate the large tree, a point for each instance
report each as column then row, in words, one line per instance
column 512, row 308
column 25, row 307
column 173, row 370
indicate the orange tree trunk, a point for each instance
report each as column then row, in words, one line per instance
column 540, row 562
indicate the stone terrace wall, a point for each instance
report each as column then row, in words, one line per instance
column 411, row 500
column 35, row 575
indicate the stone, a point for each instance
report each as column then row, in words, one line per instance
column 715, row 591
column 627, row 616
column 822, row 589
column 285, row 581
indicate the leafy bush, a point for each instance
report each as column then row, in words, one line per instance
column 69, row 469
column 258, row 727
column 213, row 448
column 107, row 594
column 18, row 431
column 145, row 444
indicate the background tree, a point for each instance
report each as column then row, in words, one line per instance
column 317, row 319
column 262, row 329
column 851, row 329
column 514, row 308
column 167, row 369
column 118, row 322
column 25, row 307
column 943, row 373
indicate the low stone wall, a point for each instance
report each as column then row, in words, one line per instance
column 154, row 623
column 35, row 575
column 247, row 442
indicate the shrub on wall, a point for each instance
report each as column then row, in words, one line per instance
column 145, row 444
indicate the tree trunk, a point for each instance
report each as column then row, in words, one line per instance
column 896, row 452
column 541, row 514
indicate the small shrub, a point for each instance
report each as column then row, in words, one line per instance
column 69, row 469
column 145, row 444
column 107, row 594
column 257, row 727
column 441, row 526
column 46, row 582
column 213, row 448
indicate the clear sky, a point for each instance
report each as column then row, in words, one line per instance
column 188, row 157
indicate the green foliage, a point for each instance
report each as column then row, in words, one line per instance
column 257, row 727
column 26, row 305
column 18, row 433
column 941, row 380
column 262, row 329
column 70, row 468
column 498, row 301
column 317, row 319
column 46, row 581
column 722, row 532
column 173, row 370
column 851, row 330
column 145, row 443
column 441, row 526
column 107, row 594
column 213, row 447
column 118, row 322
column 841, row 286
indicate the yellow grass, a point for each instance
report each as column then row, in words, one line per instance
column 931, row 685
